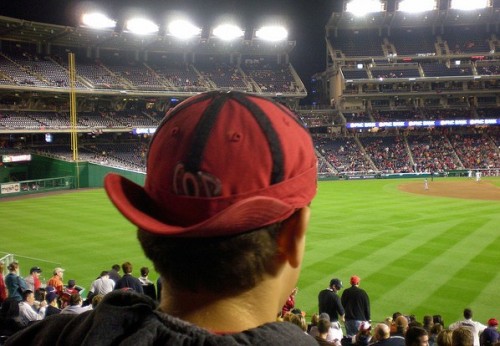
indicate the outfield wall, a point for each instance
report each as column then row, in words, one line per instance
column 42, row 169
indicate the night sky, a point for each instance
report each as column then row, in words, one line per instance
column 305, row 19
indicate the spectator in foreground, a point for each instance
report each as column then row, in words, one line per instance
column 444, row 338
column 52, row 306
column 490, row 335
column 462, row 336
column 27, row 313
column 56, row 280
column 33, row 282
column 102, row 285
column 114, row 273
column 14, row 283
column 127, row 281
column 382, row 335
column 475, row 327
column 75, row 305
column 416, row 336
column 356, row 305
column 223, row 216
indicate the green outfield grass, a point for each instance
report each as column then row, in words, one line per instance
column 415, row 254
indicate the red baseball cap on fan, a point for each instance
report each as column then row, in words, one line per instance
column 220, row 163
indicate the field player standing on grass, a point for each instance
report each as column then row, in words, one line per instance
column 223, row 216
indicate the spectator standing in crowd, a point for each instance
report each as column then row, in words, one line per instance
column 128, row 281
column 14, row 283
column 33, row 282
column 27, row 313
column 356, row 305
column 401, row 324
column 114, row 273
column 416, row 336
column 475, row 327
column 52, row 307
column 223, row 216
column 329, row 301
column 56, row 280
column 462, row 336
column 3, row 288
column 490, row 335
column 102, row 285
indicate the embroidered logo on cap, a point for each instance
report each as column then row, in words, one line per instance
column 199, row 184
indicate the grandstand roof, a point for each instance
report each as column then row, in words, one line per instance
column 398, row 19
column 49, row 34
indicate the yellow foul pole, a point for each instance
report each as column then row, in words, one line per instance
column 72, row 112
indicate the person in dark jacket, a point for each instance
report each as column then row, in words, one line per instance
column 223, row 216
column 357, row 306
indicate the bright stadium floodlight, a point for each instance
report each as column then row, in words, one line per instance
column 228, row 32
column 468, row 5
column 362, row 7
column 416, row 6
column 272, row 33
column 183, row 29
column 97, row 20
column 141, row 26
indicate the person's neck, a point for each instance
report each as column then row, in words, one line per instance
column 224, row 313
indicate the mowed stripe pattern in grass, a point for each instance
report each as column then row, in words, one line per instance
column 415, row 254
column 82, row 232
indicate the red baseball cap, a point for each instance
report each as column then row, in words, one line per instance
column 492, row 322
column 220, row 163
column 355, row 280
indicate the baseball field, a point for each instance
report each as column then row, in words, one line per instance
column 417, row 251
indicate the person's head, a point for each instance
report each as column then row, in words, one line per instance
column 104, row 274
column 59, row 272
column 336, row 284
column 438, row 319
column 462, row 337
column 28, row 297
column 299, row 320
column 96, row 300
column 467, row 313
column 427, row 322
column 75, row 299
column 365, row 328
column 144, row 271
column 13, row 267
column 401, row 324
column 493, row 322
column 436, row 328
column 314, row 319
column 229, row 180
column 355, row 280
column 115, row 267
column 416, row 336
column 381, row 332
column 51, row 298
column 71, row 283
column 127, row 268
column 35, row 271
column 323, row 326
column 444, row 337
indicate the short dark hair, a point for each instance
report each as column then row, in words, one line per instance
column 26, row 293
column 413, row 335
column 226, row 264
column 75, row 299
column 116, row 267
column 467, row 313
column 144, row 271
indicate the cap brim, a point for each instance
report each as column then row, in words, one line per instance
column 248, row 214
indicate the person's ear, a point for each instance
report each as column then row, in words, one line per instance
column 291, row 239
